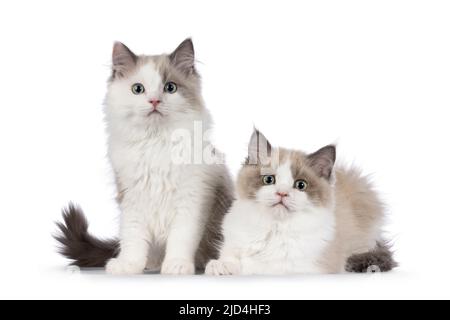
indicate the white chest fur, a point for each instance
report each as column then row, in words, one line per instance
column 268, row 245
column 150, row 182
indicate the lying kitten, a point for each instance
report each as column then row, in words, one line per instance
column 170, row 211
column 295, row 214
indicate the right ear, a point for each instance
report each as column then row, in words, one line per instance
column 259, row 149
column 124, row 60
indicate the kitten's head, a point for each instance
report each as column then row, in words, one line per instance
column 287, row 181
column 149, row 91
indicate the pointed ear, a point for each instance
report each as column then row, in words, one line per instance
column 322, row 161
column 259, row 149
column 183, row 58
column 124, row 60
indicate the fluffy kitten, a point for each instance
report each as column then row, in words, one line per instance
column 296, row 214
column 170, row 212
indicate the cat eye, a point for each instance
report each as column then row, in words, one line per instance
column 138, row 88
column 268, row 180
column 170, row 87
column 301, row 185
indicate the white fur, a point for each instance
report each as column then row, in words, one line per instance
column 263, row 239
column 163, row 208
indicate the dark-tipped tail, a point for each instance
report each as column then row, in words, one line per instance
column 376, row 260
column 77, row 244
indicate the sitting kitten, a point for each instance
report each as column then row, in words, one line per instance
column 170, row 212
column 295, row 214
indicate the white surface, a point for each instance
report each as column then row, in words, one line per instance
column 372, row 75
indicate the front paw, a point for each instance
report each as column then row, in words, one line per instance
column 178, row 267
column 221, row 268
column 120, row 266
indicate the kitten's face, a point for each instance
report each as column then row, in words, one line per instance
column 149, row 91
column 289, row 182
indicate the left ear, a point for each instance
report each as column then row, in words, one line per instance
column 322, row 161
column 259, row 149
column 123, row 59
column 183, row 58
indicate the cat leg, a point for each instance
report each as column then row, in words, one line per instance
column 134, row 246
column 182, row 243
column 228, row 263
column 222, row 267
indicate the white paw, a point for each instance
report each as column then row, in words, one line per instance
column 178, row 267
column 221, row 268
column 120, row 266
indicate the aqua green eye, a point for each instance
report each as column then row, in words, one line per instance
column 268, row 180
column 138, row 88
column 301, row 185
column 170, row 87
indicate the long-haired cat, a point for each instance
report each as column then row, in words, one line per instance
column 170, row 211
column 295, row 213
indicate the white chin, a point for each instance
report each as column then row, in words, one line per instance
column 280, row 210
column 154, row 117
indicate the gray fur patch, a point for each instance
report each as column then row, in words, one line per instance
column 380, row 259
column 219, row 206
column 188, row 84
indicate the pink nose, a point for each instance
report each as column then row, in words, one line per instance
column 155, row 102
column 282, row 194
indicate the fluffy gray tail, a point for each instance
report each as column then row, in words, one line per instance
column 77, row 244
column 376, row 260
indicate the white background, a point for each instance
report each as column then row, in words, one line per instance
column 373, row 76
